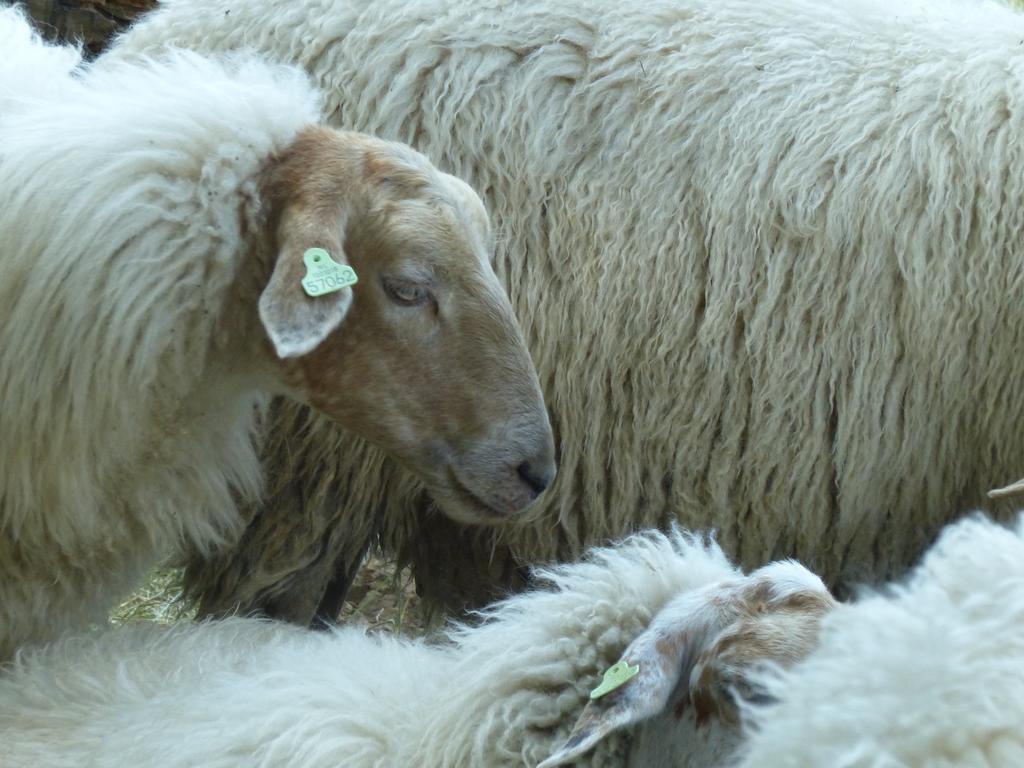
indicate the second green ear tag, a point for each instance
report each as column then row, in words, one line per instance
column 324, row 274
column 615, row 676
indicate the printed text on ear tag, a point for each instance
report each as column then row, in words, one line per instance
column 324, row 274
column 614, row 677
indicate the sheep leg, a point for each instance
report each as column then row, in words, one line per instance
column 457, row 568
column 282, row 564
column 329, row 607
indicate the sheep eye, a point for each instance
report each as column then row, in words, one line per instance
column 405, row 293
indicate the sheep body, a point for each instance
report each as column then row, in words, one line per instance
column 128, row 407
column 927, row 672
column 504, row 693
column 754, row 247
column 158, row 219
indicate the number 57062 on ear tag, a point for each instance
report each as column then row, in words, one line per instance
column 325, row 275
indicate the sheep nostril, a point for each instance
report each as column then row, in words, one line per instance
column 536, row 478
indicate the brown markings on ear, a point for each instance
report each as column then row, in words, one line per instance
column 668, row 648
column 780, row 630
column 705, row 704
column 807, row 602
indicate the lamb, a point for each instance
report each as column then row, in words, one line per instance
column 179, row 240
column 502, row 693
column 767, row 257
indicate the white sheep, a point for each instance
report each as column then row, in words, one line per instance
column 162, row 226
column 767, row 256
column 924, row 673
column 503, row 693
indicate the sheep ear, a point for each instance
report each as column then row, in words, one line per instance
column 688, row 654
column 664, row 654
column 309, row 292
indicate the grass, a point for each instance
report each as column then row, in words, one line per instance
column 158, row 599
column 383, row 598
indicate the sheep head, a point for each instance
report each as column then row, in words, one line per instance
column 423, row 356
column 700, row 652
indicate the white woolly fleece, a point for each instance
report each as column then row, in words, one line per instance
column 927, row 673
column 255, row 693
column 30, row 70
column 767, row 257
column 125, row 208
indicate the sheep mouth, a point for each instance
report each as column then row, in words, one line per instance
column 469, row 503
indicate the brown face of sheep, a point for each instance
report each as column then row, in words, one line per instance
column 423, row 356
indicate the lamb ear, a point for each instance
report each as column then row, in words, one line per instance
column 665, row 654
column 296, row 321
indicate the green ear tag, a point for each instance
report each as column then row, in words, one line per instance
column 324, row 274
column 615, row 677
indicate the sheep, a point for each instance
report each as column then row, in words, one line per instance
column 732, row 671
column 767, row 257
column 167, row 234
column 738, row 671
column 502, row 693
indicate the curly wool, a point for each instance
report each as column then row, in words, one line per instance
column 245, row 691
column 126, row 196
column 927, row 673
column 767, row 257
